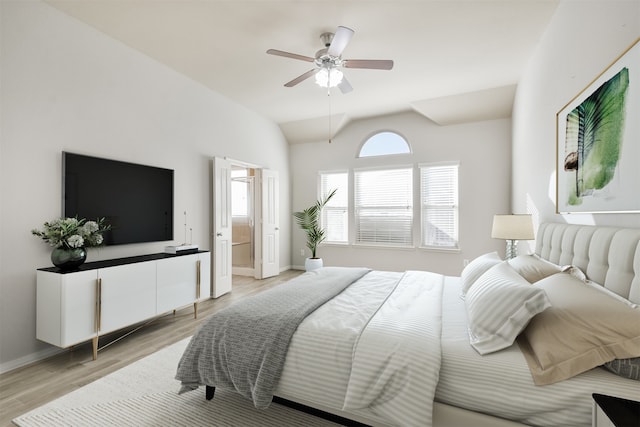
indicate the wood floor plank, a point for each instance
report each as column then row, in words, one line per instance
column 29, row 387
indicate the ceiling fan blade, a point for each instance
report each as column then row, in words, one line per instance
column 290, row 55
column 345, row 86
column 301, row 78
column 375, row 64
column 340, row 40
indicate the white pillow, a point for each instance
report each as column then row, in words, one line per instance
column 476, row 268
column 533, row 268
column 609, row 292
column 499, row 306
column 579, row 274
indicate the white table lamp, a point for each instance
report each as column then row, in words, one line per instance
column 512, row 228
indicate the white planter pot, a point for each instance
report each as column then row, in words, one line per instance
column 311, row 264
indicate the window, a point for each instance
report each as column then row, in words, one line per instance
column 240, row 191
column 384, row 206
column 335, row 214
column 439, row 204
column 384, row 143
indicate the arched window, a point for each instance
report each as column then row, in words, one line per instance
column 383, row 144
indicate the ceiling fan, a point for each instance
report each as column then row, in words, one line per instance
column 328, row 61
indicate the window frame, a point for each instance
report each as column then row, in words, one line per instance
column 376, row 133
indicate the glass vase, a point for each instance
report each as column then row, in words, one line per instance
column 68, row 258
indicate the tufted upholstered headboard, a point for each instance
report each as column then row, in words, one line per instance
column 609, row 256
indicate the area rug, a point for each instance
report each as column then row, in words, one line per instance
column 145, row 393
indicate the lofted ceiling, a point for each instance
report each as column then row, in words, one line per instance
column 454, row 61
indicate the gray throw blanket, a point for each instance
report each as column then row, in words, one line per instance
column 245, row 345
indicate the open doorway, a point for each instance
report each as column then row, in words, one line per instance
column 243, row 220
column 258, row 217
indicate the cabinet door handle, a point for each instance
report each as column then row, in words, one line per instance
column 198, row 280
column 98, row 310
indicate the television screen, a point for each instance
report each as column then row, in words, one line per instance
column 136, row 200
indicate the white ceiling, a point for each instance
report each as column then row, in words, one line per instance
column 455, row 61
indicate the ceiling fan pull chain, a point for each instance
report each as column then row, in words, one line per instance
column 329, row 96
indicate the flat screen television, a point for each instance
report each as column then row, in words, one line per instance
column 136, row 200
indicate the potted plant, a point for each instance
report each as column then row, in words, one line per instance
column 309, row 222
column 70, row 237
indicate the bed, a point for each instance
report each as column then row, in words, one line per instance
column 418, row 348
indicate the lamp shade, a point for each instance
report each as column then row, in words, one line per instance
column 512, row 227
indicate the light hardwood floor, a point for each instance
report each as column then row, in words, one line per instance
column 31, row 386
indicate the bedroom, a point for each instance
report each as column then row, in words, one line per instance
column 46, row 112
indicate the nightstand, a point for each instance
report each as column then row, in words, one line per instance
column 609, row 411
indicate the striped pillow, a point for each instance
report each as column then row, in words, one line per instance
column 499, row 306
column 477, row 268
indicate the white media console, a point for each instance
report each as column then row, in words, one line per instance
column 104, row 296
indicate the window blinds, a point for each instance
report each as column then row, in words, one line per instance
column 439, row 204
column 384, row 206
column 335, row 218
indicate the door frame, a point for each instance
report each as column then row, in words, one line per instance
column 258, row 220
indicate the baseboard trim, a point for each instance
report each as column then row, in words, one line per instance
column 29, row 359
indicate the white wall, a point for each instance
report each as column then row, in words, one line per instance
column 582, row 40
column 68, row 87
column 483, row 150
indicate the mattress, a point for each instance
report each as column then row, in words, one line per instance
column 500, row 383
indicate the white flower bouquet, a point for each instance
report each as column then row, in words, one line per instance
column 73, row 233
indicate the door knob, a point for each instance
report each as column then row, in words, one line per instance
column 219, row 234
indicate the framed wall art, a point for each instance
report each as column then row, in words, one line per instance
column 598, row 142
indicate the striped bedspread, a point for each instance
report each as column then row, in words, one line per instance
column 381, row 337
column 244, row 346
column 396, row 361
column 372, row 351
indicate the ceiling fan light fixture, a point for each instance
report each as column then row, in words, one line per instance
column 328, row 77
column 328, row 61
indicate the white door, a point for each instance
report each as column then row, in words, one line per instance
column 222, row 248
column 270, row 236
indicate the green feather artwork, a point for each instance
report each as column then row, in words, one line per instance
column 594, row 135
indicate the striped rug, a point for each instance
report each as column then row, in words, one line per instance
column 145, row 394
